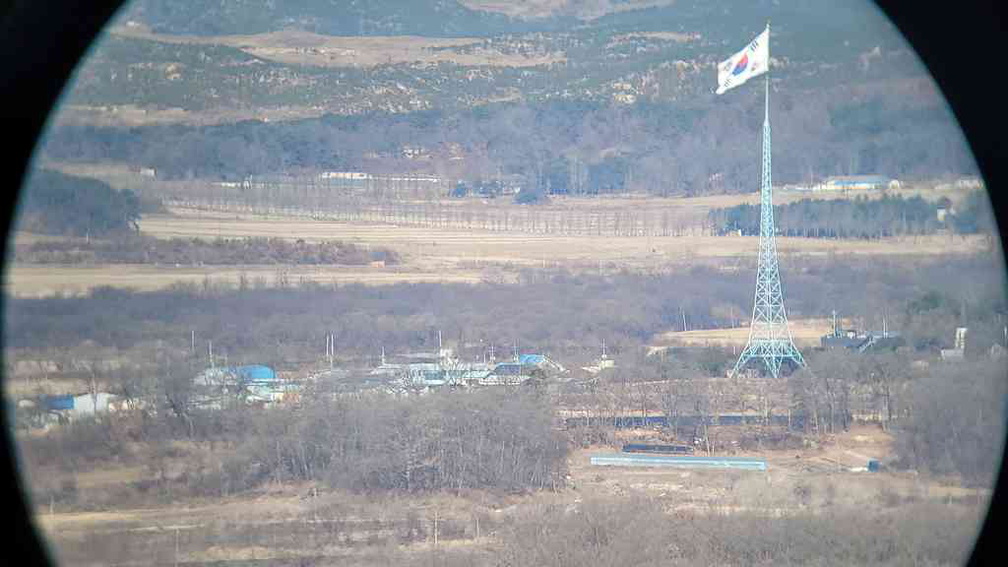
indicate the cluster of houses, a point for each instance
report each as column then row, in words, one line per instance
column 219, row 387
column 254, row 384
column 867, row 341
column 212, row 389
column 426, row 371
column 849, row 183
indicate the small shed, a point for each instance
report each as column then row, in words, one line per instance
column 80, row 405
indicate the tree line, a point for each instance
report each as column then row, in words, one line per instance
column 602, row 220
column 54, row 203
column 284, row 326
column 860, row 217
column 494, row 440
column 139, row 249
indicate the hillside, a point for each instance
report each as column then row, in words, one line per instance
column 568, row 103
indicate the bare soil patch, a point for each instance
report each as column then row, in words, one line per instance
column 306, row 48
column 805, row 332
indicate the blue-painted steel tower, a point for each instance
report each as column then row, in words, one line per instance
column 770, row 338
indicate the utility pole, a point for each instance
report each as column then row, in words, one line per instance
column 330, row 348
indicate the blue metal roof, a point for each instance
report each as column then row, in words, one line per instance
column 254, row 373
column 507, row 369
column 531, row 359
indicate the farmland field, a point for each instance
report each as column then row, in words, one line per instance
column 494, row 246
column 449, row 254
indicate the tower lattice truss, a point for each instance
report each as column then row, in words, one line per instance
column 770, row 339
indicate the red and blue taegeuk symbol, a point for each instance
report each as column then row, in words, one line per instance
column 741, row 65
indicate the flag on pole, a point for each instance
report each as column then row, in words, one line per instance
column 752, row 61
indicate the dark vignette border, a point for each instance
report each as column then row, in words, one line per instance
column 42, row 40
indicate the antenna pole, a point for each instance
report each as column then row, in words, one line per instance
column 766, row 107
column 770, row 339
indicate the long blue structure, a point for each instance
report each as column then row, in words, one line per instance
column 625, row 460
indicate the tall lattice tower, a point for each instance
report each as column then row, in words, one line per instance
column 770, row 337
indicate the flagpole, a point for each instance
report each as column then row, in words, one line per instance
column 766, row 108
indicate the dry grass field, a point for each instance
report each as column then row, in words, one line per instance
column 454, row 247
column 288, row 523
column 805, row 332
column 432, row 254
column 528, row 9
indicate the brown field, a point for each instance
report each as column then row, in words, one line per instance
column 305, row 48
column 449, row 254
column 130, row 115
column 805, row 332
column 530, row 9
column 453, row 247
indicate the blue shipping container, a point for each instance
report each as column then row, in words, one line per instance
column 873, row 466
column 59, row 403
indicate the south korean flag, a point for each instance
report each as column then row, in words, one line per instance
column 752, row 61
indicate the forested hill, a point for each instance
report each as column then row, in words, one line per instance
column 54, row 203
column 620, row 101
column 814, row 24
column 573, row 148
